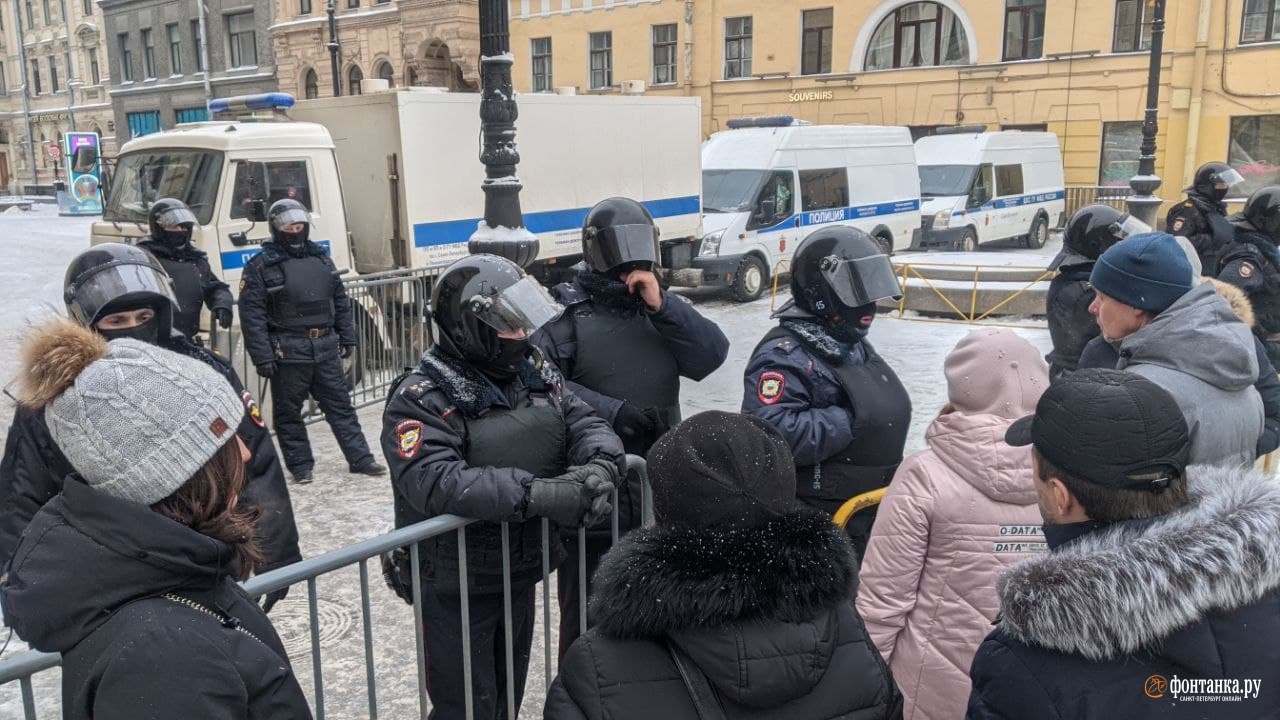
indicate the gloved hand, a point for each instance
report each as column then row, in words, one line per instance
column 223, row 316
column 602, row 478
column 270, row 599
column 345, row 351
column 266, row 370
column 566, row 499
column 643, row 424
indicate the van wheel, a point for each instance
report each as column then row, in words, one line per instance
column 750, row 279
column 967, row 242
column 886, row 244
column 1039, row 234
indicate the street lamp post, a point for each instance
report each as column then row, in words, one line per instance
column 1142, row 202
column 502, row 232
column 334, row 46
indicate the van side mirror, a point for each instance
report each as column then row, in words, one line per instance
column 85, row 157
column 258, row 210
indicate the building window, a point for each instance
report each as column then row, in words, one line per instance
column 126, row 57
column 353, row 4
column 53, row 74
column 664, row 54
column 412, row 76
column 175, row 49
column 737, row 47
column 304, row 7
column 148, row 54
column 386, row 72
column 88, row 8
column 921, row 34
column 143, row 123
column 1254, row 150
column 1, row 18
column 1023, row 29
column 199, row 46
column 3, row 91
column 310, row 85
column 190, row 115
column 48, row 16
column 601, row 60
column 540, row 52
column 1119, row 162
column 31, row 17
column 815, row 46
column 242, row 39
column 1133, row 25
column 94, row 73
column 35, row 78
column 354, row 76
column 1259, row 23
column 824, row 189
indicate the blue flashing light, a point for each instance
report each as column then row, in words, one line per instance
column 263, row 101
column 761, row 122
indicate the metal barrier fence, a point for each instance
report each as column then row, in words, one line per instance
column 1080, row 195
column 975, row 289
column 22, row 667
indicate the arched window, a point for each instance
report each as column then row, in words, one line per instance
column 310, row 85
column 918, row 34
column 386, row 72
column 354, row 76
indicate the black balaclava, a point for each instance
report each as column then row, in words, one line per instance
column 295, row 243
column 148, row 332
column 851, row 325
column 511, row 354
column 176, row 238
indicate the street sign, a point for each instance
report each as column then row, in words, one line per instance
column 53, row 150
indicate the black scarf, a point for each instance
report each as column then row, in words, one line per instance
column 609, row 292
column 821, row 340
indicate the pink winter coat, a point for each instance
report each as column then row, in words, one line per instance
column 954, row 517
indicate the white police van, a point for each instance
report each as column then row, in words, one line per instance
column 980, row 187
column 769, row 182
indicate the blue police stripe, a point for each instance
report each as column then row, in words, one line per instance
column 1005, row 203
column 237, row 259
column 450, row 232
column 856, row 212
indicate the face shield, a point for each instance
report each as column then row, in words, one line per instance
column 176, row 217
column 862, row 281
column 518, row 310
column 292, row 216
column 1128, row 226
column 106, row 284
column 1228, row 178
column 624, row 244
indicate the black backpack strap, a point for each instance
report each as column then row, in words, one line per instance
column 703, row 695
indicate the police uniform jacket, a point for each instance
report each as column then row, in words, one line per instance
column 294, row 310
column 1204, row 222
column 194, row 283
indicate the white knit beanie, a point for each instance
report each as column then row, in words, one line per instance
column 136, row 421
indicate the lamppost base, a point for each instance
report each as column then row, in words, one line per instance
column 515, row 244
column 1143, row 204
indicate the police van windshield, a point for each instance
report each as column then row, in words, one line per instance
column 945, row 180
column 726, row 191
column 141, row 178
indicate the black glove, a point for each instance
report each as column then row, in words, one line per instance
column 270, row 599
column 267, row 369
column 345, row 351
column 644, row 424
column 568, row 500
column 602, row 478
column 223, row 316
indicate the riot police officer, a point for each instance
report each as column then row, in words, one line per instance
column 486, row 429
column 121, row 291
column 1252, row 263
column 1091, row 230
column 819, row 381
column 1202, row 217
column 623, row 344
column 171, row 223
column 297, row 325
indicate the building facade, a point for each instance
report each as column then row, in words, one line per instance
column 158, row 59
column 1077, row 68
column 405, row 42
column 53, row 79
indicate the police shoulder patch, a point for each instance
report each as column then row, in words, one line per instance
column 1177, row 225
column 408, row 438
column 769, row 389
column 1188, row 204
column 251, row 409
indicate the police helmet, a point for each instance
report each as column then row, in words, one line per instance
column 1094, row 228
column 1262, row 210
column 112, row 277
column 170, row 212
column 619, row 235
column 284, row 213
column 480, row 296
column 840, row 268
column 1215, row 179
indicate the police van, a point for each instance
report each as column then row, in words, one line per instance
column 769, row 182
column 978, row 187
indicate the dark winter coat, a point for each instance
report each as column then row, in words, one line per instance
column 1190, row 595
column 1252, row 263
column 425, row 439
column 1203, row 221
column 194, row 283
column 1071, row 325
column 33, row 469
column 262, row 284
column 88, row 581
column 766, row 614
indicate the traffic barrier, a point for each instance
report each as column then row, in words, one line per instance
column 977, row 285
column 1079, row 196
column 22, row 667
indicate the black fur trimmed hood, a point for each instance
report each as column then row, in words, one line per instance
column 660, row 581
column 1132, row 585
column 468, row 389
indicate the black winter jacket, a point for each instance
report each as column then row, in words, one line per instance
column 1203, row 221
column 184, row 265
column 1100, row 627
column 89, row 581
column 766, row 613
column 262, row 340
column 1071, row 325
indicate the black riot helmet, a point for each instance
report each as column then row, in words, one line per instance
column 840, row 268
column 112, row 277
column 480, row 296
column 284, row 213
column 619, row 235
column 1214, row 180
column 1262, row 210
column 169, row 212
column 1094, row 228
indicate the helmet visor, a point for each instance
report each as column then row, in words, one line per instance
column 1130, row 225
column 521, row 308
column 623, row 244
column 175, row 217
column 292, row 216
column 1229, row 177
column 108, row 283
column 862, row 281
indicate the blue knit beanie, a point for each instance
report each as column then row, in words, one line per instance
column 1147, row 271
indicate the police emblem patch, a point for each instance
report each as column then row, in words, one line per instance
column 408, row 438
column 770, row 387
column 251, row 408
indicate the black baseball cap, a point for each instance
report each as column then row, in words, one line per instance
column 1109, row 427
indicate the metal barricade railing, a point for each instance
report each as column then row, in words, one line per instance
column 22, row 667
column 1079, row 196
column 911, row 271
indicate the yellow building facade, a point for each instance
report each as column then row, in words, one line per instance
column 1077, row 68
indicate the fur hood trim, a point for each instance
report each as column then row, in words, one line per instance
column 818, row 340
column 1125, row 587
column 1240, row 303
column 659, row 581
column 54, row 356
column 471, row 391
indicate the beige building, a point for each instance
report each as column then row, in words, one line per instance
column 406, row 42
column 1076, row 68
column 53, row 79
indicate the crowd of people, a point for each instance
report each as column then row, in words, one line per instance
column 1080, row 539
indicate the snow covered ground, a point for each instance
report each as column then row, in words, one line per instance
column 339, row 509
